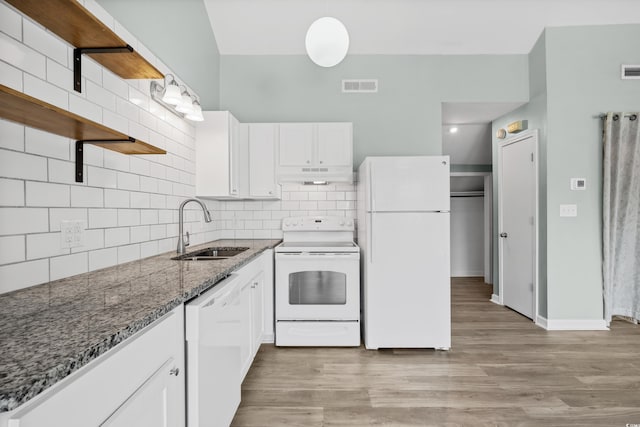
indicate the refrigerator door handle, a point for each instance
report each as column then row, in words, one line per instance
column 371, row 238
column 371, row 201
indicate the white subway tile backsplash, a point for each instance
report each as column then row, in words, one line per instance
column 128, row 253
column 59, row 75
column 46, row 144
column 309, row 206
column 99, row 177
column 115, row 160
column 115, row 121
column 23, row 166
column 93, row 155
column 148, row 249
column 12, row 249
column 91, row 70
column 128, row 181
column 93, row 239
column 45, row 245
column 116, row 198
column 117, row 236
column 10, row 22
column 21, row 56
column 327, row 205
column 128, row 217
column 43, row 194
column 150, row 185
column 63, row 172
column 10, row 76
column 44, row 42
column 103, row 258
column 115, row 84
column 139, row 200
column 157, row 201
column 318, row 196
column 68, row 265
column 138, row 165
column 100, row 96
column 149, row 120
column 65, row 214
column 84, row 108
column 345, row 205
column 45, row 91
column 140, row 234
column 338, row 195
column 103, row 218
column 11, row 192
column 127, row 109
column 24, row 274
column 158, row 231
column 11, row 135
column 23, row 220
column 89, row 197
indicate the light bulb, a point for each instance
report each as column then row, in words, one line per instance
column 172, row 94
column 186, row 105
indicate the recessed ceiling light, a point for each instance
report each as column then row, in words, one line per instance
column 453, row 129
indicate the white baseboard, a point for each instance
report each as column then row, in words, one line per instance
column 496, row 299
column 268, row 339
column 542, row 322
column 572, row 324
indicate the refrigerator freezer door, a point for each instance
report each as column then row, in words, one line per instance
column 407, row 300
column 409, row 184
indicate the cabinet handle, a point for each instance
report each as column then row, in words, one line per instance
column 175, row 371
column 320, row 161
column 270, row 192
column 308, row 161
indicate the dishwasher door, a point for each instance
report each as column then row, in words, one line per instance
column 213, row 355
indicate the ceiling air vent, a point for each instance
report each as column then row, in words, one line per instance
column 360, row 86
column 630, row 72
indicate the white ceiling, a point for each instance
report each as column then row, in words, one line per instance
column 395, row 27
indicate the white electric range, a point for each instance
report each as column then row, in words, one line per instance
column 317, row 284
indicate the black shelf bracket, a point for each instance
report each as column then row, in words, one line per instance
column 77, row 60
column 80, row 152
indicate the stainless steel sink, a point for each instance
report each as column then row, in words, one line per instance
column 211, row 254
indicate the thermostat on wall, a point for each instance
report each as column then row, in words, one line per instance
column 578, row 183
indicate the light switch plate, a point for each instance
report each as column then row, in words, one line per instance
column 568, row 210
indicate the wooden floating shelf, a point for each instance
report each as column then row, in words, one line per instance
column 72, row 22
column 27, row 110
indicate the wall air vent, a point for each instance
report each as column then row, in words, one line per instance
column 360, row 86
column 630, row 72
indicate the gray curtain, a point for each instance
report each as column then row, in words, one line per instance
column 621, row 215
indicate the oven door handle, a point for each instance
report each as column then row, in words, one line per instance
column 306, row 256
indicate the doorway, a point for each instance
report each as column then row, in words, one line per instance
column 518, row 222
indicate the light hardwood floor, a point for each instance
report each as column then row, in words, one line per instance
column 502, row 370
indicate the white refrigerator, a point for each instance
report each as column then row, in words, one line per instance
column 403, row 232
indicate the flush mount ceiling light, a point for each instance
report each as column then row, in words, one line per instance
column 176, row 99
column 327, row 42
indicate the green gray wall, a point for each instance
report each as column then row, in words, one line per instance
column 536, row 113
column 583, row 80
column 575, row 75
column 403, row 118
column 180, row 35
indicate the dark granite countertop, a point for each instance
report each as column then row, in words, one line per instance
column 51, row 330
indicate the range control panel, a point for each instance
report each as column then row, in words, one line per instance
column 318, row 223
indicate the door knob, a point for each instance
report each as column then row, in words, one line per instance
column 503, row 235
column 174, row 371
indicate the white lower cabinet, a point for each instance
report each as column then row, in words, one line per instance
column 138, row 383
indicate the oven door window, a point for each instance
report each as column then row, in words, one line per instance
column 318, row 288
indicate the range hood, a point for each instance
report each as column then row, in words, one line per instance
column 315, row 174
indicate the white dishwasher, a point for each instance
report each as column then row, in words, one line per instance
column 213, row 323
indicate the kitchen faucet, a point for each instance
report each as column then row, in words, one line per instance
column 182, row 241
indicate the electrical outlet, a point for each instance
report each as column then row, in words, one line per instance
column 72, row 233
column 568, row 210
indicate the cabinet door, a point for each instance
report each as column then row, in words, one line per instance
column 234, row 156
column 246, row 355
column 295, row 144
column 262, row 162
column 257, row 312
column 152, row 405
column 335, row 144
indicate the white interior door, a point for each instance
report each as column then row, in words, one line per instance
column 517, row 186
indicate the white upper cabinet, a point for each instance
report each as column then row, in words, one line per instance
column 220, row 163
column 335, row 146
column 262, row 160
column 310, row 151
